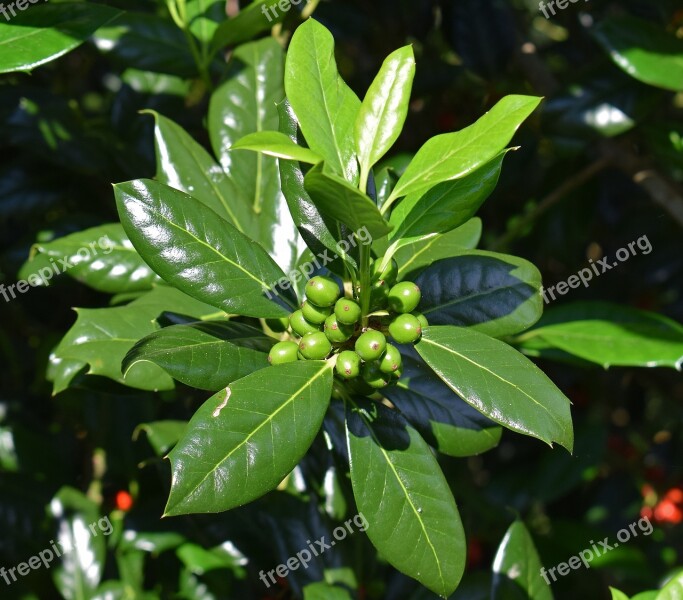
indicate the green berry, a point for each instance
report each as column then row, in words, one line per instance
column 388, row 275
column 422, row 319
column 322, row 291
column 404, row 297
column 379, row 294
column 337, row 332
column 405, row 329
column 300, row 325
column 315, row 346
column 348, row 312
column 348, row 364
column 315, row 314
column 371, row 345
column 391, row 361
column 278, row 325
column 283, row 352
column 374, row 377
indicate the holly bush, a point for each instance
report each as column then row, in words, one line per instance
column 293, row 323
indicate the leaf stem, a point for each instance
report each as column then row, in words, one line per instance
column 364, row 284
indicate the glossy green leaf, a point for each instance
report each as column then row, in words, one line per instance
column 325, row 591
column 81, row 565
column 400, row 490
column 199, row 560
column 499, row 382
column 162, row 435
column 184, row 165
column 274, row 143
column 496, row 294
column 245, row 439
column 325, row 106
column 443, row 419
column 617, row 595
column 195, row 250
column 205, row 355
column 611, row 335
column 148, row 43
column 311, row 224
column 384, row 108
column 647, row 596
column 445, row 206
column 453, row 155
column 248, row 23
column 428, row 249
column 101, row 257
column 517, row 568
column 40, row 34
column 247, row 103
column 340, row 200
column 643, row 50
column 102, row 337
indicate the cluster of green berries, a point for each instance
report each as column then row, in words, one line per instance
column 328, row 324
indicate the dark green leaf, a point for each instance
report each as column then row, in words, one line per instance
column 204, row 17
column 204, row 355
column 184, row 165
column 325, row 106
column 245, row 439
column 453, row 155
column 325, row 591
column 499, row 382
column 610, row 335
column 147, row 42
column 517, row 568
column 101, row 257
column 310, row 223
column 445, row 206
column 250, row 21
column 429, row 249
column 42, row 33
column 443, row 419
column 339, row 200
column 496, row 294
column 403, row 495
column 192, row 248
column 247, row 103
column 643, row 50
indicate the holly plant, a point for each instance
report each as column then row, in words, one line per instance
column 323, row 292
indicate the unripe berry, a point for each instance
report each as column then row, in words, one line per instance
column 389, row 274
column 391, row 361
column 283, row 352
column 374, row 377
column 300, row 325
column 322, row 291
column 315, row 346
column 348, row 364
column 315, row 314
column 336, row 332
column 405, row 329
column 422, row 319
column 404, row 297
column 371, row 345
column 347, row 311
column 278, row 325
column 379, row 294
